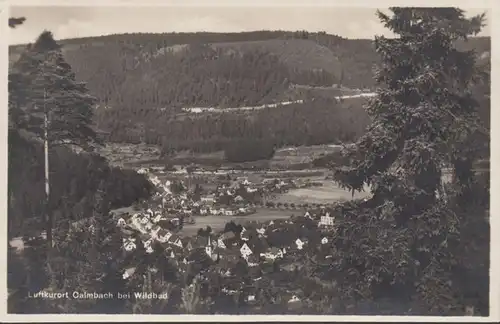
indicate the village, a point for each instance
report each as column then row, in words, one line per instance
column 259, row 246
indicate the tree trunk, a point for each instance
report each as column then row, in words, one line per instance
column 48, row 214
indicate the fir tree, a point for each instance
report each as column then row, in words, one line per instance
column 60, row 109
column 54, row 88
column 403, row 242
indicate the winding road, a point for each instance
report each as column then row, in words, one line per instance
column 198, row 110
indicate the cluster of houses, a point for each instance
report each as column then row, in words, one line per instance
column 243, row 192
column 261, row 246
column 184, row 206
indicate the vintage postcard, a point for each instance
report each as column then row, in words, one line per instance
column 310, row 161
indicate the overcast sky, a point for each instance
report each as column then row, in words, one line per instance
column 73, row 22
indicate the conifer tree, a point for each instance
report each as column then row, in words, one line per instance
column 403, row 242
column 59, row 108
column 54, row 87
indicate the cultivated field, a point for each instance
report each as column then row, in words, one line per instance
column 218, row 222
column 327, row 193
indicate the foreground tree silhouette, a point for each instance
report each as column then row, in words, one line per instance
column 56, row 109
column 404, row 242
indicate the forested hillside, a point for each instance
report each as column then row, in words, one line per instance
column 174, row 66
column 142, row 81
column 74, row 181
column 313, row 122
column 66, row 128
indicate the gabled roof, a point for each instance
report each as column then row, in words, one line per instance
column 163, row 232
column 248, row 232
column 245, row 246
column 165, row 246
column 196, row 255
column 227, row 235
column 173, row 238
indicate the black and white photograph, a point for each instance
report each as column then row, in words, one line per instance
column 248, row 160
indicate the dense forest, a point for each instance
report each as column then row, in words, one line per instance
column 318, row 121
column 75, row 178
column 142, row 81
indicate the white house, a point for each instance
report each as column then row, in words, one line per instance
column 137, row 223
column 157, row 218
column 326, row 220
column 299, row 244
column 252, row 260
column 154, row 232
column 207, row 199
column 245, row 251
column 129, row 246
column 261, row 231
column 178, row 243
column 121, row 222
column 229, row 212
column 272, row 254
column 128, row 273
column 147, row 243
column 324, row 240
column 307, row 215
column 220, row 243
column 208, row 248
column 163, row 236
